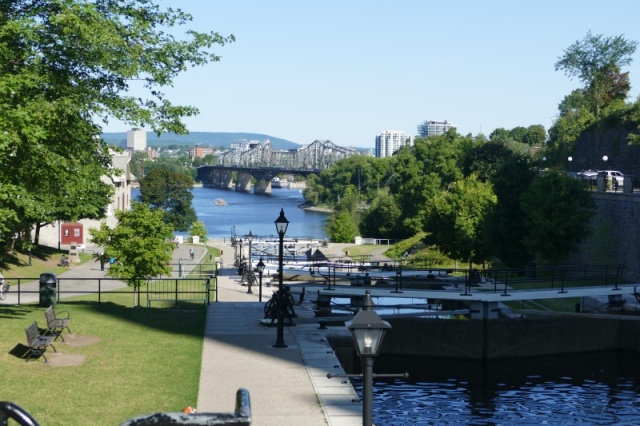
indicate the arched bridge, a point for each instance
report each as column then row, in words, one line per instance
column 262, row 162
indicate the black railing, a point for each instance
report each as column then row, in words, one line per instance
column 158, row 289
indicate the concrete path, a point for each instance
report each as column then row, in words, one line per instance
column 287, row 386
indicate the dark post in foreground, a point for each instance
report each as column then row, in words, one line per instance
column 368, row 330
column 281, row 226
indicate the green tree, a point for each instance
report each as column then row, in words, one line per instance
column 65, row 64
column 139, row 244
column 170, row 192
column 199, row 230
column 558, row 212
column 506, row 223
column 596, row 61
column 382, row 220
column 455, row 222
column 341, row 228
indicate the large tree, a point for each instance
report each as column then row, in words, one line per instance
column 65, row 66
column 557, row 211
column 170, row 192
column 596, row 61
column 455, row 221
column 139, row 245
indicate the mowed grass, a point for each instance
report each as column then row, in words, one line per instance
column 140, row 361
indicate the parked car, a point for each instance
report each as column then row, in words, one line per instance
column 613, row 175
column 587, row 174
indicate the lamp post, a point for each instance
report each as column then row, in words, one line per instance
column 368, row 330
column 250, row 279
column 239, row 260
column 570, row 159
column 281, row 226
column 604, row 162
column 260, row 267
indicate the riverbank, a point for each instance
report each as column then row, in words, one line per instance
column 309, row 206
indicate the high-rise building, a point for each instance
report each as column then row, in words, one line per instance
column 136, row 140
column 434, row 128
column 389, row 141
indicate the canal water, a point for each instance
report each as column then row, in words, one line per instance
column 585, row 389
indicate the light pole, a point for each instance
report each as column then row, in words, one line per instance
column 570, row 159
column 368, row 330
column 260, row 267
column 250, row 239
column 281, row 226
column 604, row 162
column 239, row 260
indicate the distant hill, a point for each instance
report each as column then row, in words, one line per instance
column 215, row 139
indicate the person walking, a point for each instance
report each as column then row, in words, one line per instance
column 192, row 253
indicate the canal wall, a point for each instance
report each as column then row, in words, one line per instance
column 615, row 236
column 507, row 338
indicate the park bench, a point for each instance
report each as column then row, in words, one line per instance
column 55, row 323
column 38, row 343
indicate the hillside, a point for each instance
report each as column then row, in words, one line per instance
column 215, row 139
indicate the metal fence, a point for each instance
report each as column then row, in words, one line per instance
column 175, row 290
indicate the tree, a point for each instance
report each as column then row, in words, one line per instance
column 198, row 230
column 170, row 192
column 557, row 211
column 139, row 244
column 506, row 224
column 455, row 220
column 65, row 64
column 596, row 61
column 341, row 228
column 382, row 220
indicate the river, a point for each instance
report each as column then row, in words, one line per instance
column 255, row 213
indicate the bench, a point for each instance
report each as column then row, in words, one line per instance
column 56, row 324
column 38, row 343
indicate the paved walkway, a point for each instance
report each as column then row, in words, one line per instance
column 288, row 386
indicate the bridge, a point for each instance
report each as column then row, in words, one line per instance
column 237, row 169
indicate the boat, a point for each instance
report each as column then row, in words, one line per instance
column 219, row 202
column 276, row 182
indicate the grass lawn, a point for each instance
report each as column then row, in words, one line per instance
column 132, row 361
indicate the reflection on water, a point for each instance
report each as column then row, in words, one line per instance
column 588, row 389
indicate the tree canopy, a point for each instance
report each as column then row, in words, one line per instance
column 170, row 192
column 596, row 61
column 65, row 67
column 139, row 244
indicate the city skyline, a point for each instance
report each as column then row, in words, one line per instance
column 347, row 71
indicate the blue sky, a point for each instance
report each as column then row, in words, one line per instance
column 348, row 70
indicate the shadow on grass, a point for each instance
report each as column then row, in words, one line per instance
column 21, row 351
column 172, row 320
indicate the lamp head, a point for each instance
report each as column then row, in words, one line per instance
column 281, row 223
column 250, row 236
column 260, row 265
column 367, row 329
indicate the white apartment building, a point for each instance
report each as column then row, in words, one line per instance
column 434, row 128
column 137, row 140
column 389, row 141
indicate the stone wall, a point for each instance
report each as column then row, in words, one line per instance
column 615, row 237
column 507, row 338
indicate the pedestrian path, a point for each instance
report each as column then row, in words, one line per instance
column 287, row 386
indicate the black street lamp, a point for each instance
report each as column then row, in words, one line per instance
column 281, row 226
column 260, row 267
column 368, row 330
column 250, row 279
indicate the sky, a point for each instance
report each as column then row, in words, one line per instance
column 348, row 70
